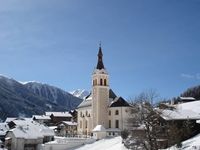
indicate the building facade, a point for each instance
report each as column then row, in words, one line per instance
column 102, row 106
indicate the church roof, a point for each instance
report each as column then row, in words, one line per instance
column 100, row 59
column 88, row 101
column 119, row 102
column 112, row 94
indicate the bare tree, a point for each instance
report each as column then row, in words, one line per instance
column 149, row 130
column 145, row 120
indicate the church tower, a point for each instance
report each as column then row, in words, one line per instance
column 100, row 93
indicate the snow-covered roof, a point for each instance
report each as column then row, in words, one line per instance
column 41, row 117
column 26, row 132
column 194, row 106
column 3, row 128
column 70, row 123
column 189, row 110
column 187, row 98
column 31, row 130
column 9, row 119
column 179, row 114
column 86, row 103
column 99, row 128
column 58, row 114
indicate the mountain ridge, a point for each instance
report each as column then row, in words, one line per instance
column 17, row 99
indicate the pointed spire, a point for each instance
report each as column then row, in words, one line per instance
column 100, row 58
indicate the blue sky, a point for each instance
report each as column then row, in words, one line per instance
column 146, row 44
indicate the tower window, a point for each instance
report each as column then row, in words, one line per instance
column 86, row 113
column 101, row 81
column 95, row 82
column 81, row 114
column 109, row 112
column 86, row 124
column 80, row 124
column 116, row 123
column 117, row 112
column 105, row 82
column 109, row 123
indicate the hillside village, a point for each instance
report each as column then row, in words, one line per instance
column 104, row 115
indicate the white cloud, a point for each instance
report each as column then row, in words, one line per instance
column 191, row 76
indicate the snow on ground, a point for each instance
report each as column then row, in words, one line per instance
column 190, row 144
column 105, row 144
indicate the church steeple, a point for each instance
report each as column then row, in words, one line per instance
column 100, row 59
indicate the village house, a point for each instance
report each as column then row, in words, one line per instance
column 42, row 119
column 67, row 128
column 27, row 135
column 57, row 117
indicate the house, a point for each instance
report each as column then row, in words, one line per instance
column 67, row 128
column 27, row 135
column 102, row 106
column 42, row 119
column 57, row 117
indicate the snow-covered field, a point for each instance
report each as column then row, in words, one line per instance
column 105, row 144
column 190, row 144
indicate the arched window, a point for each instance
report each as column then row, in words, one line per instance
column 109, row 112
column 80, row 124
column 117, row 112
column 86, row 113
column 101, row 81
column 86, row 124
column 105, row 82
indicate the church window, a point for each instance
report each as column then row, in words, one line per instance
column 109, row 123
column 105, row 83
column 95, row 82
column 117, row 112
column 86, row 113
column 116, row 123
column 80, row 124
column 101, row 81
column 109, row 112
column 86, row 124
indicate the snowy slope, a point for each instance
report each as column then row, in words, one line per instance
column 105, row 144
column 80, row 93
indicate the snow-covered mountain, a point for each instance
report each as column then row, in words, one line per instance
column 17, row 99
column 54, row 94
column 80, row 93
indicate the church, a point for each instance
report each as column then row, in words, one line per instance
column 102, row 110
